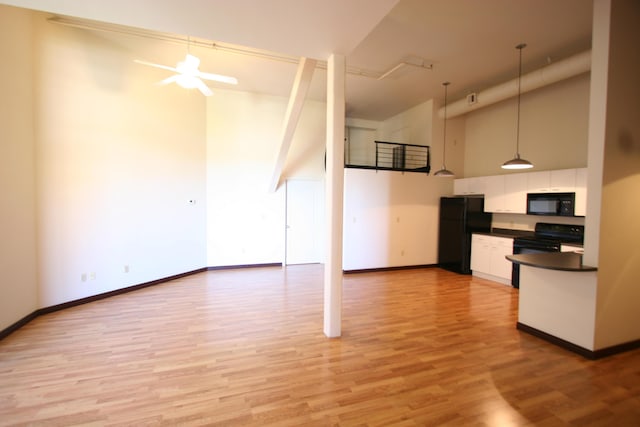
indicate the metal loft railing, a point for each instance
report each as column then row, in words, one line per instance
column 402, row 157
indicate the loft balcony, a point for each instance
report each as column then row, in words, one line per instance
column 393, row 156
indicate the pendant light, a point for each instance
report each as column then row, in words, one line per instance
column 444, row 172
column 517, row 162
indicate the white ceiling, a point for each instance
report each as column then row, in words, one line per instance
column 470, row 43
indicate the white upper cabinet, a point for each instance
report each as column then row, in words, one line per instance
column 538, row 182
column 469, row 186
column 515, row 193
column 556, row 181
column 506, row 193
column 494, row 194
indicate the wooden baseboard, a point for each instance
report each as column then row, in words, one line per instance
column 115, row 292
column 28, row 318
column 619, row 348
column 17, row 325
column 231, row 267
column 374, row 270
column 589, row 354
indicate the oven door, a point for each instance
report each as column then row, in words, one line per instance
column 529, row 247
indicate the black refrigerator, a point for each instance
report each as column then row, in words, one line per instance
column 459, row 217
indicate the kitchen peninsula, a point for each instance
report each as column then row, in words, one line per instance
column 563, row 261
column 557, row 299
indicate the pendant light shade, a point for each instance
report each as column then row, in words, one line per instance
column 517, row 162
column 444, row 172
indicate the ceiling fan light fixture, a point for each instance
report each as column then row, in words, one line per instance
column 188, row 76
column 189, row 65
column 186, row 81
column 517, row 162
column 444, row 172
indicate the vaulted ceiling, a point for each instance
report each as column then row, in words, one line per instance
column 414, row 44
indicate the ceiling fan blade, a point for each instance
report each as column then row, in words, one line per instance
column 218, row 78
column 203, row 87
column 168, row 80
column 151, row 64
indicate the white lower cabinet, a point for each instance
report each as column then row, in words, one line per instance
column 488, row 257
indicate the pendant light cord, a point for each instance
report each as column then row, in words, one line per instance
column 517, row 162
column 444, row 141
column 519, row 47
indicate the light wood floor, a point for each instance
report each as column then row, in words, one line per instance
column 245, row 347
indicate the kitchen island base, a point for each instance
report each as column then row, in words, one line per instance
column 559, row 303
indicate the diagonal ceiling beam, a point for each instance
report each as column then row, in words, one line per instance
column 294, row 109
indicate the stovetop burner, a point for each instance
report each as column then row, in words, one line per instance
column 555, row 234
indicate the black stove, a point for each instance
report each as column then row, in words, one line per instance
column 546, row 238
column 553, row 234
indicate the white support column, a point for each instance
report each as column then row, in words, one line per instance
column 336, row 71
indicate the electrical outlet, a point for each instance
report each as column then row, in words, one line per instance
column 126, row 268
column 92, row 276
column 83, row 277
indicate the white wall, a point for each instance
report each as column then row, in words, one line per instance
column 245, row 221
column 360, row 147
column 118, row 159
column 554, row 124
column 455, row 147
column 409, row 127
column 391, row 218
column 18, row 269
column 419, row 125
column 111, row 170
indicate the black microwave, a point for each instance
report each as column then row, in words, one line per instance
column 551, row 204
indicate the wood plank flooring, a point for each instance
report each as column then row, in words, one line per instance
column 245, row 347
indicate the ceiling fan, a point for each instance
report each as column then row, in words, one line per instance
column 189, row 76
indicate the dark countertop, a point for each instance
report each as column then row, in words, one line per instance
column 511, row 234
column 506, row 232
column 564, row 261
